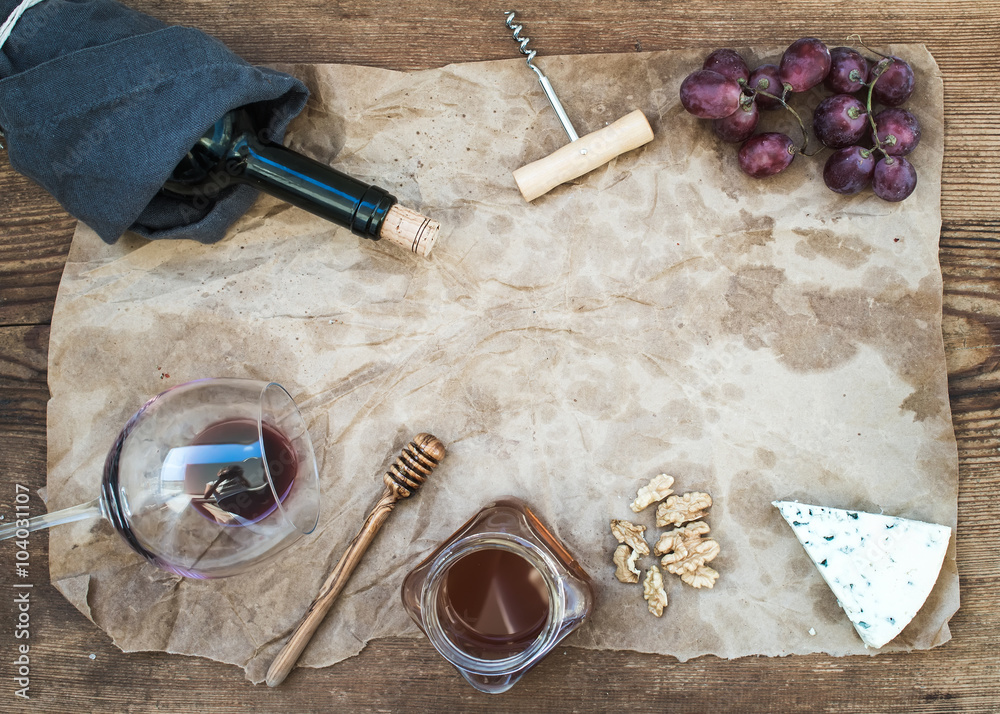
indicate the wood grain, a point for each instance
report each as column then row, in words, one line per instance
column 963, row 675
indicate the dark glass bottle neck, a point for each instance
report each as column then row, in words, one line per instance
column 314, row 187
column 233, row 152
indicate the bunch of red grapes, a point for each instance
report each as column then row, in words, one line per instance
column 869, row 148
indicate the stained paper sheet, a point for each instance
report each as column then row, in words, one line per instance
column 758, row 340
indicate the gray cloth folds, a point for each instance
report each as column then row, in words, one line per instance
column 99, row 103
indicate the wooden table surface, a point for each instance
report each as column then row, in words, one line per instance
column 75, row 666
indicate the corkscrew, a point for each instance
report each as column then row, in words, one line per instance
column 581, row 155
column 550, row 93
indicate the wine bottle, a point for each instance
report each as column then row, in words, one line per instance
column 234, row 151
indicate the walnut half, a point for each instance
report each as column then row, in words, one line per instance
column 653, row 592
column 685, row 552
column 625, row 559
column 703, row 577
column 630, row 533
column 681, row 509
column 655, row 490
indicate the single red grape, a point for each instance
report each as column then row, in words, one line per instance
column 710, row 95
column 766, row 154
column 849, row 170
column 895, row 85
column 894, row 178
column 903, row 129
column 738, row 126
column 840, row 121
column 804, row 64
column 729, row 64
column 848, row 71
column 766, row 78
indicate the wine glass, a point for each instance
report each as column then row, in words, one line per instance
column 207, row 479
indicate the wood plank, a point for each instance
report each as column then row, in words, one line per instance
column 964, row 675
column 35, row 234
column 957, row 33
column 65, row 640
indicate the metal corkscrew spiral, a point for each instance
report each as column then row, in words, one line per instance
column 522, row 41
column 550, row 93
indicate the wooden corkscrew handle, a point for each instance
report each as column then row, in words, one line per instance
column 402, row 480
column 583, row 155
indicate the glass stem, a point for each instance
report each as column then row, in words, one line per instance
column 91, row 509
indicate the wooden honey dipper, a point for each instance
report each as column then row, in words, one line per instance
column 582, row 154
column 402, row 480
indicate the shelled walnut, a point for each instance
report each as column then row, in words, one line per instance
column 655, row 490
column 653, row 592
column 703, row 577
column 631, row 534
column 681, row 509
column 625, row 558
column 686, row 550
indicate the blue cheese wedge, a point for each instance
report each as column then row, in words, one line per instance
column 880, row 568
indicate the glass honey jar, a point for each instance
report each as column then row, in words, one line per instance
column 498, row 595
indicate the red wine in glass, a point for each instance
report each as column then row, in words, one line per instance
column 238, row 493
column 206, row 505
column 206, row 480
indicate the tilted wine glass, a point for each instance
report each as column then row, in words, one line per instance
column 206, row 479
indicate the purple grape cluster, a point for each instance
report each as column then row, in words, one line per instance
column 869, row 148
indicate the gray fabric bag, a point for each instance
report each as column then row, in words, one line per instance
column 98, row 104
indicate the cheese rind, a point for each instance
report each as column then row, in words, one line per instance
column 881, row 568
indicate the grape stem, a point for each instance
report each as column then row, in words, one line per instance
column 802, row 126
column 876, row 73
column 862, row 43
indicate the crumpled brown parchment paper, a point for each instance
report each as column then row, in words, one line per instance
column 755, row 339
